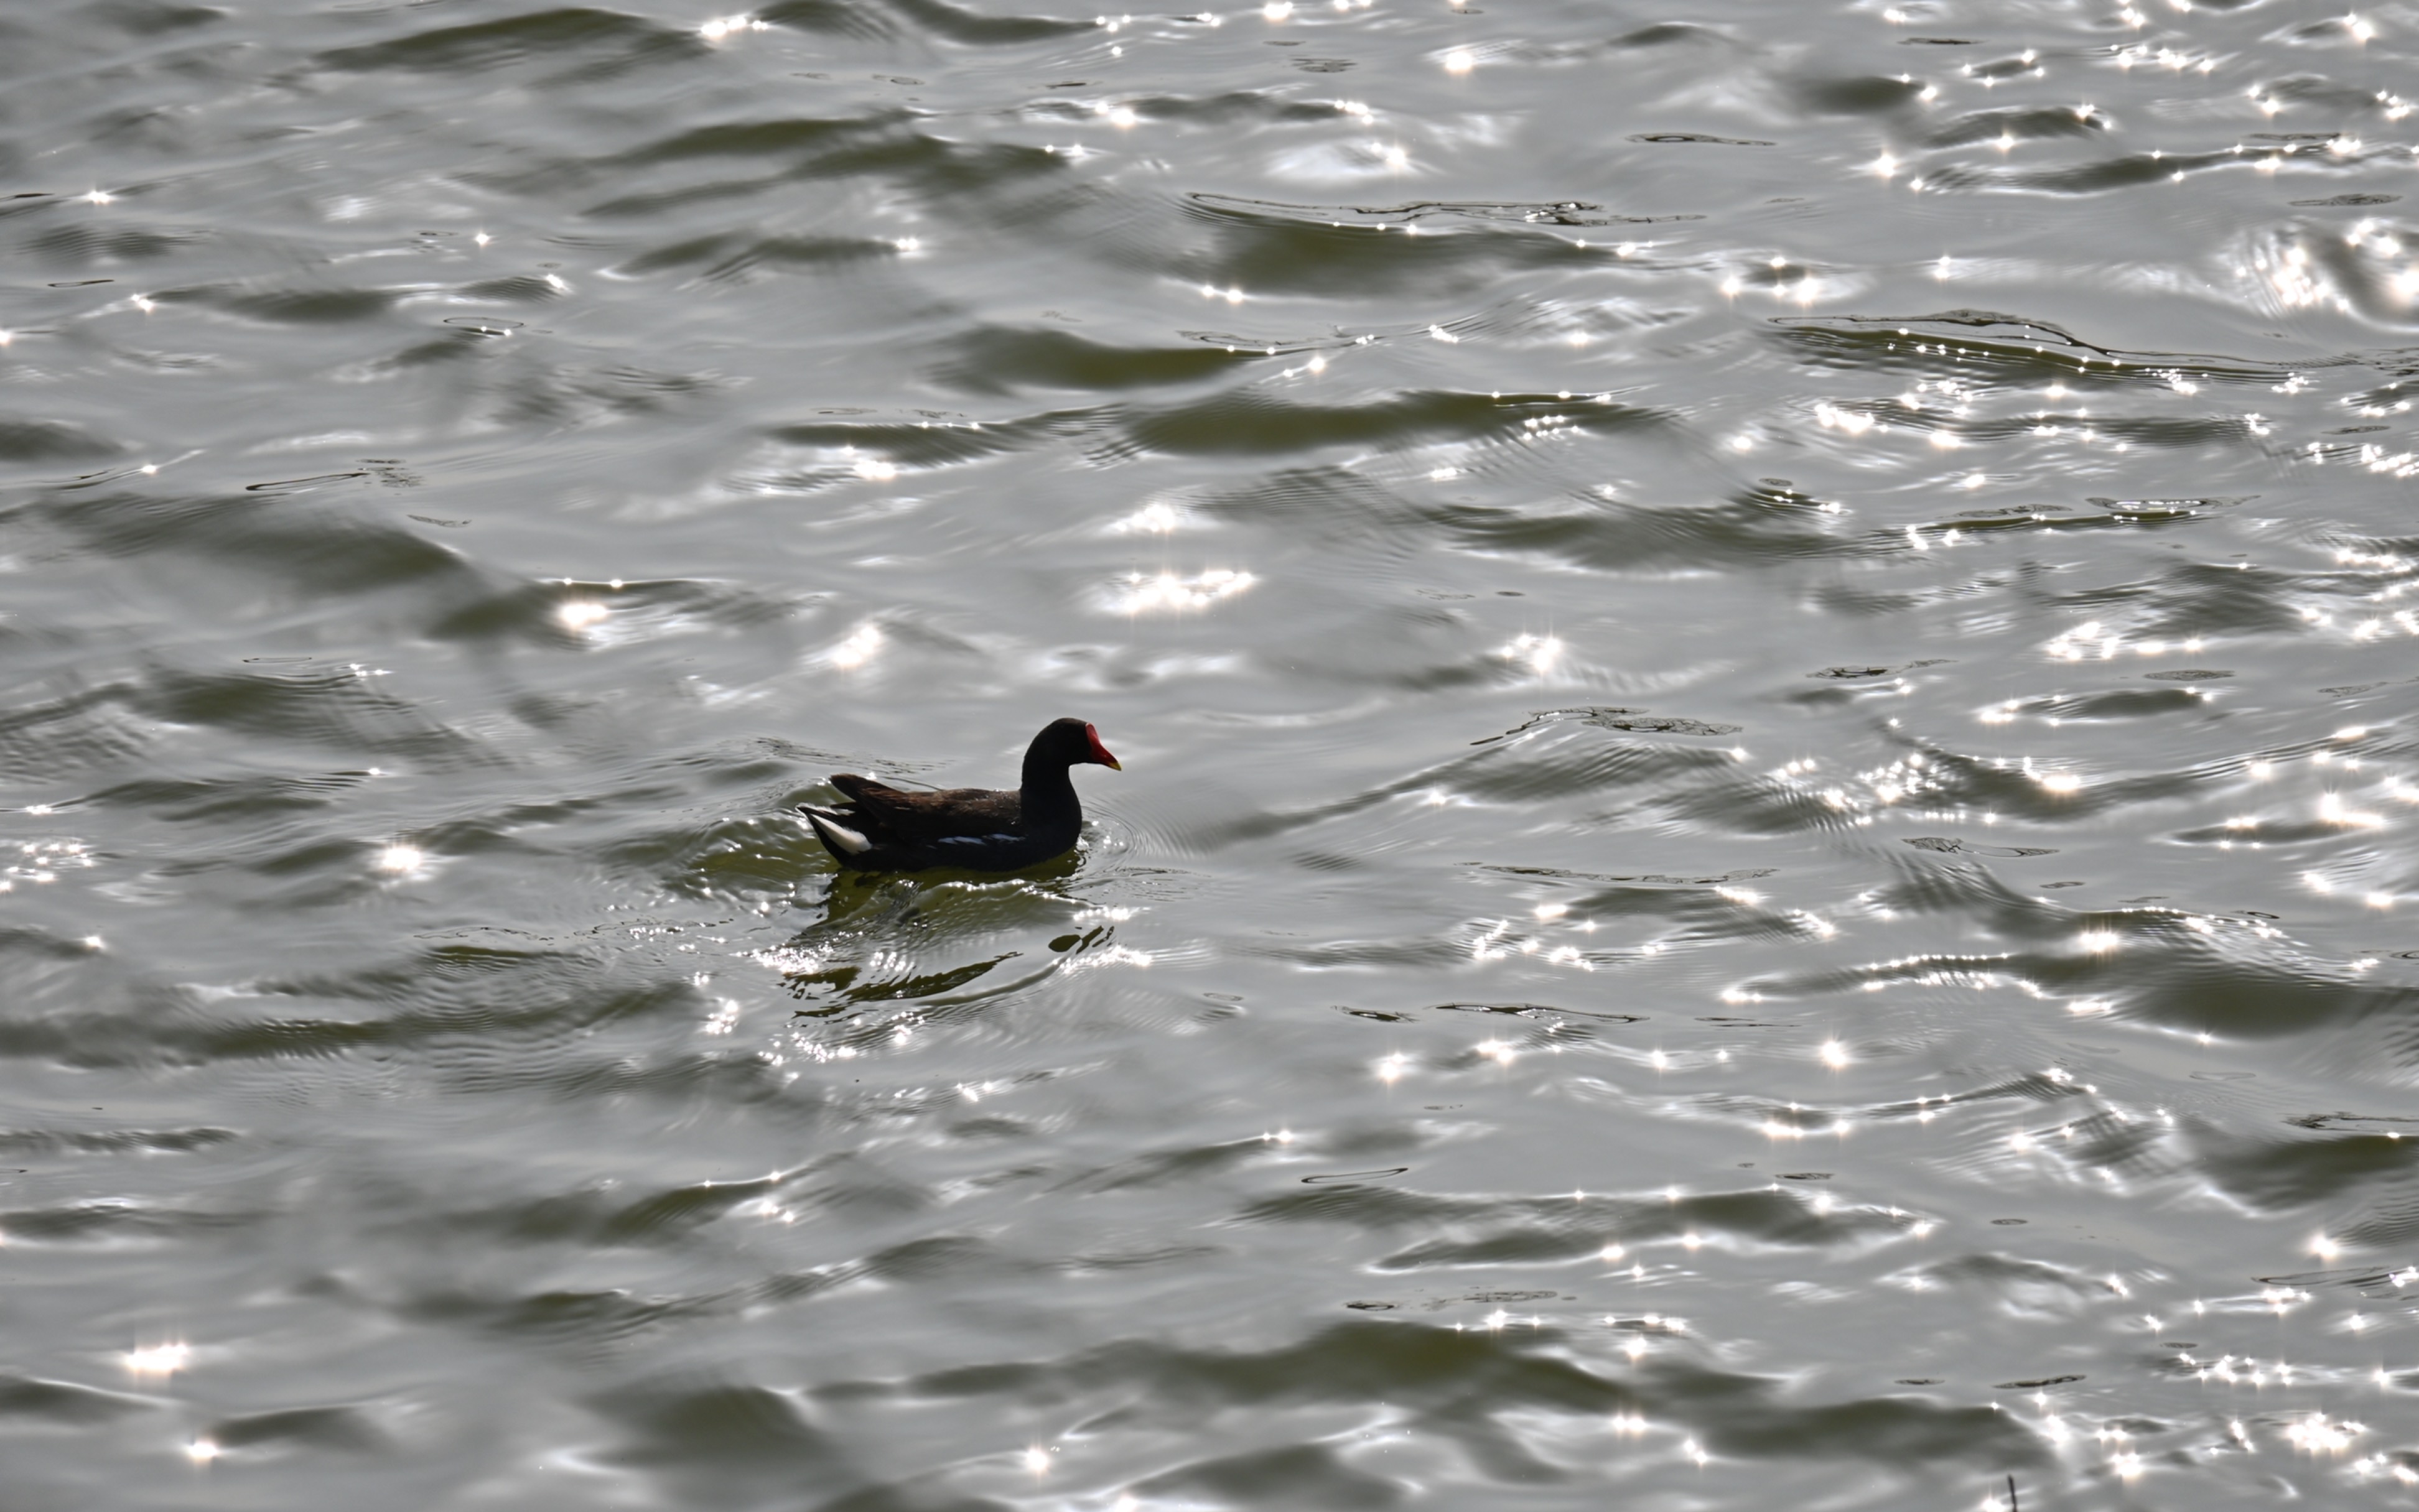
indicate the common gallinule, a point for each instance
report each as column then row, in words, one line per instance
column 885, row 829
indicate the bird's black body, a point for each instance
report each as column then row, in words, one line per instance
column 885, row 829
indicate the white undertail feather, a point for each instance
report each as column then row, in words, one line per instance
column 837, row 835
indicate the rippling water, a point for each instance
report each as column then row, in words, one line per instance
column 1767, row 695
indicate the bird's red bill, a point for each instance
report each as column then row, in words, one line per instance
column 1100, row 751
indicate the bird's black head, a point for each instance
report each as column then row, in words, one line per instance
column 1069, row 742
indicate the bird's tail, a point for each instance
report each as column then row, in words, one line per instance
column 837, row 837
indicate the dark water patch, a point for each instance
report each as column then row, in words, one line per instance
column 604, row 1218
column 2348, row 1121
column 234, row 799
column 837, row 18
column 2032, row 1285
column 2124, row 171
column 982, row 28
column 1538, row 1010
column 1414, row 212
column 40, row 440
column 1672, row 34
column 1855, row 673
column 1952, row 845
column 2116, row 703
column 1002, row 361
column 1556, row 1231
column 1739, row 1417
column 299, row 486
column 155, row 17
column 2277, row 1175
column 1161, row 1167
column 40, row 1143
column 603, row 42
column 801, row 139
column 1466, row 1376
column 929, row 443
column 1252, row 1478
column 287, row 306
column 2021, row 123
column 337, row 706
column 571, row 1320
column 1674, row 139
column 307, row 551
column 84, row 729
column 89, row 246
column 571, row 615
column 839, row 989
column 65, row 1403
column 730, row 257
column 1633, row 720
column 934, row 167
column 710, row 1442
column 1545, row 770
column 1251, row 423
column 2173, row 980
column 513, row 288
column 468, row 1008
column 339, row 1430
column 1865, row 94
column 2360, row 1277
column 119, row 1223
column 1291, row 251
column 1616, row 536
column 1982, row 344
column 1235, row 107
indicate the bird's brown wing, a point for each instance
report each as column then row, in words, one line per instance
column 924, row 816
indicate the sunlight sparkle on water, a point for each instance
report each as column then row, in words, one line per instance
column 723, row 26
column 2332, row 811
column 578, row 614
column 400, row 860
column 1540, row 652
column 2318, row 1434
column 1151, row 519
column 1142, row 593
column 157, row 1359
column 858, row 650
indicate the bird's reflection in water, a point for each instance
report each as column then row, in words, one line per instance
column 888, row 937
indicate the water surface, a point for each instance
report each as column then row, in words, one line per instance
column 1766, row 709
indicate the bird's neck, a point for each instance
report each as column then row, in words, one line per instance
column 1048, row 790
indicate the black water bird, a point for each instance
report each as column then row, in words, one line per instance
column 885, row 829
